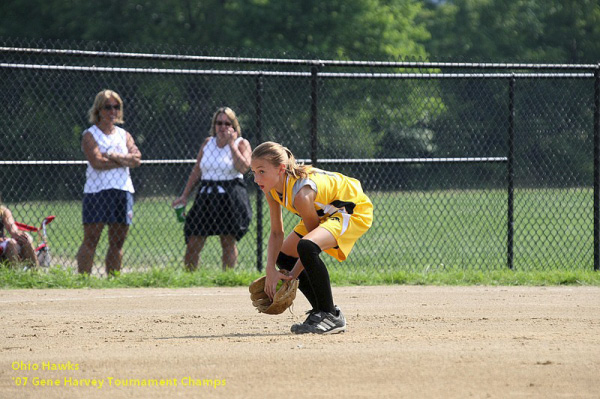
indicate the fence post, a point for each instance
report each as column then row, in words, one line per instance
column 597, row 168
column 510, row 172
column 313, row 114
column 259, row 203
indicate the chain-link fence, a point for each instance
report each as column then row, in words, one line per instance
column 474, row 166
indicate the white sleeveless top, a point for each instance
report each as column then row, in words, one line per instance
column 118, row 178
column 217, row 163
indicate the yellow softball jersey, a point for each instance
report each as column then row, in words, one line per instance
column 342, row 206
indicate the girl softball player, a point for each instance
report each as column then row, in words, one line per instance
column 334, row 213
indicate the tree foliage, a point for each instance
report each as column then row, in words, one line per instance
column 560, row 31
column 392, row 118
column 557, row 31
column 341, row 29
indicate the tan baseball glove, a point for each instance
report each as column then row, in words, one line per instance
column 282, row 300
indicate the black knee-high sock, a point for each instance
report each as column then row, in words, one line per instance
column 288, row 262
column 317, row 274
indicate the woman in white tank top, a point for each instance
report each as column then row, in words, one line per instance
column 108, row 192
column 222, row 206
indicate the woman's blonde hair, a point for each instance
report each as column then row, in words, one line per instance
column 276, row 155
column 100, row 102
column 232, row 117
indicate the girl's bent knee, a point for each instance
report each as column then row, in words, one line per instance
column 308, row 248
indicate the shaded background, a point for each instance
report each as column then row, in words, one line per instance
column 443, row 214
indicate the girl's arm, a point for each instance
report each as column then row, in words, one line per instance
column 274, row 247
column 304, row 202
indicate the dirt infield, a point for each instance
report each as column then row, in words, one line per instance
column 402, row 341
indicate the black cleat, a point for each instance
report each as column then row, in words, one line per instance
column 319, row 322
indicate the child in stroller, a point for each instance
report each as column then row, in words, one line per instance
column 19, row 246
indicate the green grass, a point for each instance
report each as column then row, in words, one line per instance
column 57, row 277
column 415, row 234
column 553, row 230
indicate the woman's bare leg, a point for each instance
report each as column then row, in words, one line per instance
column 192, row 252
column 85, row 255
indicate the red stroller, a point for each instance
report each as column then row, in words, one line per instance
column 42, row 250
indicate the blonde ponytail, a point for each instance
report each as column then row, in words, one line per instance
column 276, row 154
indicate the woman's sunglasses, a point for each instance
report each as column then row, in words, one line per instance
column 219, row 123
column 116, row 107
